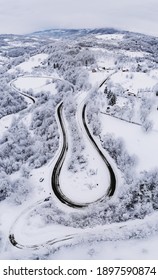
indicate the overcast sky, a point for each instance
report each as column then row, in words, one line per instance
column 24, row 16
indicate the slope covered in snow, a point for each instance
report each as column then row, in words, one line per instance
column 78, row 157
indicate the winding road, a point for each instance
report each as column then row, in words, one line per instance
column 56, row 175
column 58, row 166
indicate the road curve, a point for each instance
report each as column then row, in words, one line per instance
column 20, row 92
column 38, row 246
column 58, row 166
column 53, row 241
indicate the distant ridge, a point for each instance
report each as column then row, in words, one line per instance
column 63, row 33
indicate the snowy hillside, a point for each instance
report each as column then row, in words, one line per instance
column 78, row 145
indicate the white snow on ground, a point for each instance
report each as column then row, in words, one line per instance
column 113, row 248
column 33, row 61
column 30, row 228
column 40, row 184
column 107, row 63
column 37, row 84
column 116, row 243
column 137, row 142
column 3, row 60
column 19, row 44
column 142, row 249
column 132, row 53
column 5, row 122
column 154, row 116
column 110, row 36
column 89, row 184
column 138, row 81
column 104, row 58
column 154, row 74
column 96, row 78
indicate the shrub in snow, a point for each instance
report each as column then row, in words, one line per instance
column 93, row 114
column 10, row 101
column 18, row 191
column 111, row 98
column 136, row 200
column 4, row 186
column 77, row 162
column 69, row 62
column 147, row 125
column 145, row 110
column 45, row 129
column 15, row 191
column 25, row 172
column 140, row 198
column 16, row 147
column 116, row 149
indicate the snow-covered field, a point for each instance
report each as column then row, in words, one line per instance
column 137, row 142
column 110, row 36
column 37, row 84
column 134, row 81
column 142, row 249
column 33, row 61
